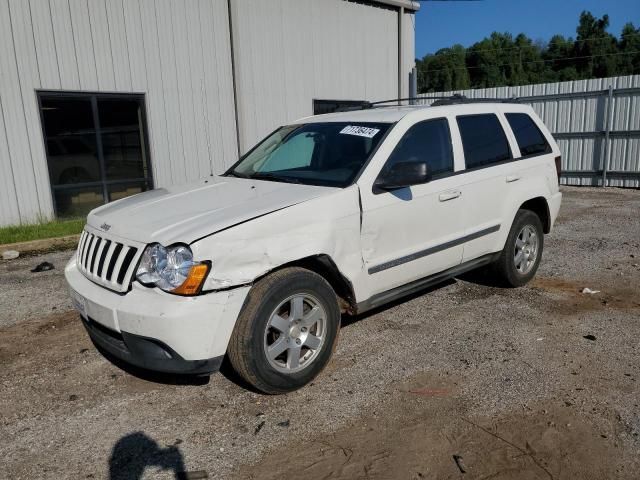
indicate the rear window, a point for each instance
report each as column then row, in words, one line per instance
column 483, row 140
column 528, row 135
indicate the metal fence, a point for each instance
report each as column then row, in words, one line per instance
column 595, row 122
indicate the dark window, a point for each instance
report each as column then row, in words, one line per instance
column 428, row 141
column 483, row 140
column 96, row 149
column 329, row 106
column 528, row 135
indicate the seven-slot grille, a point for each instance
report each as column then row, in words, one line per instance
column 106, row 262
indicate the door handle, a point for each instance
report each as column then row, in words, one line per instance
column 446, row 196
column 512, row 178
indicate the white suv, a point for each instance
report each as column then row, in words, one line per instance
column 337, row 213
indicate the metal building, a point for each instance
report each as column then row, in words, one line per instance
column 100, row 99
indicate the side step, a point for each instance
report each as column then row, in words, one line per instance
column 423, row 283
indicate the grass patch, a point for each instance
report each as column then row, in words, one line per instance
column 37, row 231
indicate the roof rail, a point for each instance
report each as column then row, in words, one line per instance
column 454, row 99
column 459, row 99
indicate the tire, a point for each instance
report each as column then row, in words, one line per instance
column 505, row 268
column 270, row 320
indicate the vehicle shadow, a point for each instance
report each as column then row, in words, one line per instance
column 134, row 452
column 348, row 320
column 479, row 276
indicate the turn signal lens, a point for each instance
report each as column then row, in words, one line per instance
column 558, row 161
column 193, row 284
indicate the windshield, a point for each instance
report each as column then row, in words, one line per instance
column 329, row 154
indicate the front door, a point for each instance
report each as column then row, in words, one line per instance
column 413, row 232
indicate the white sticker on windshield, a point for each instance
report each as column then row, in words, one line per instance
column 360, row 131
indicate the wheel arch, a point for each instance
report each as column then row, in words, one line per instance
column 323, row 265
column 540, row 207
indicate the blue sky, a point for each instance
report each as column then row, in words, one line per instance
column 441, row 24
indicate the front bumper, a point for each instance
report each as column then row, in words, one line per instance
column 147, row 353
column 153, row 329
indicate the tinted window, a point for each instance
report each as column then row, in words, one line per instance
column 296, row 153
column 483, row 140
column 428, row 142
column 529, row 137
column 85, row 172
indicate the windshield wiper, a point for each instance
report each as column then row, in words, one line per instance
column 274, row 177
column 233, row 173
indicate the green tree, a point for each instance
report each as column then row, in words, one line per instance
column 501, row 59
column 595, row 47
column 558, row 59
column 629, row 46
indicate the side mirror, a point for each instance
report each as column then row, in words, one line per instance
column 403, row 174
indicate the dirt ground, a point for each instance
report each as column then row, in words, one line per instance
column 465, row 381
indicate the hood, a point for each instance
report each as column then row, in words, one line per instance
column 188, row 212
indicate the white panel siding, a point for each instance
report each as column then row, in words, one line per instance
column 327, row 49
column 587, row 114
column 135, row 45
column 119, row 46
column 64, row 44
column 408, row 50
column 45, row 43
column 9, row 211
column 83, row 41
column 217, row 86
column 176, row 53
column 102, row 45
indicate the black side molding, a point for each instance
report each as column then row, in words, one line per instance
column 432, row 250
column 423, row 283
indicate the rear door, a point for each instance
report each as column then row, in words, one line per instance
column 489, row 170
column 536, row 163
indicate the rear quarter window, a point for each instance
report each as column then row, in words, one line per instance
column 529, row 137
column 483, row 140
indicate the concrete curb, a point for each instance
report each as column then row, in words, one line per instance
column 42, row 245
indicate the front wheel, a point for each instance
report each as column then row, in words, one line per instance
column 286, row 332
column 520, row 258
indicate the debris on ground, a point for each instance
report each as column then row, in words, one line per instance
column 10, row 254
column 588, row 291
column 285, row 424
column 43, row 267
column 590, row 337
column 259, row 427
column 458, row 460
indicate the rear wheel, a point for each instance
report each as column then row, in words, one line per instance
column 520, row 258
column 286, row 332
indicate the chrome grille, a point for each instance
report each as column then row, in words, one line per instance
column 108, row 262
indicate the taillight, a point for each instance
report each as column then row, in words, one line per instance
column 558, row 166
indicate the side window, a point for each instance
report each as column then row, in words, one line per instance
column 296, row 152
column 528, row 135
column 483, row 140
column 428, row 141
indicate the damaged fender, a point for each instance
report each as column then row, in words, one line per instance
column 327, row 225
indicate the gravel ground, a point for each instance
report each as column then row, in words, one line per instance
column 495, row 382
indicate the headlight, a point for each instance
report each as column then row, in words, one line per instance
column 172, row 269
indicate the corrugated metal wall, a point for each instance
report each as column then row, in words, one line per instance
column 328, row 49
column 579, row 122
column 179, row 54
column 176, row 52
